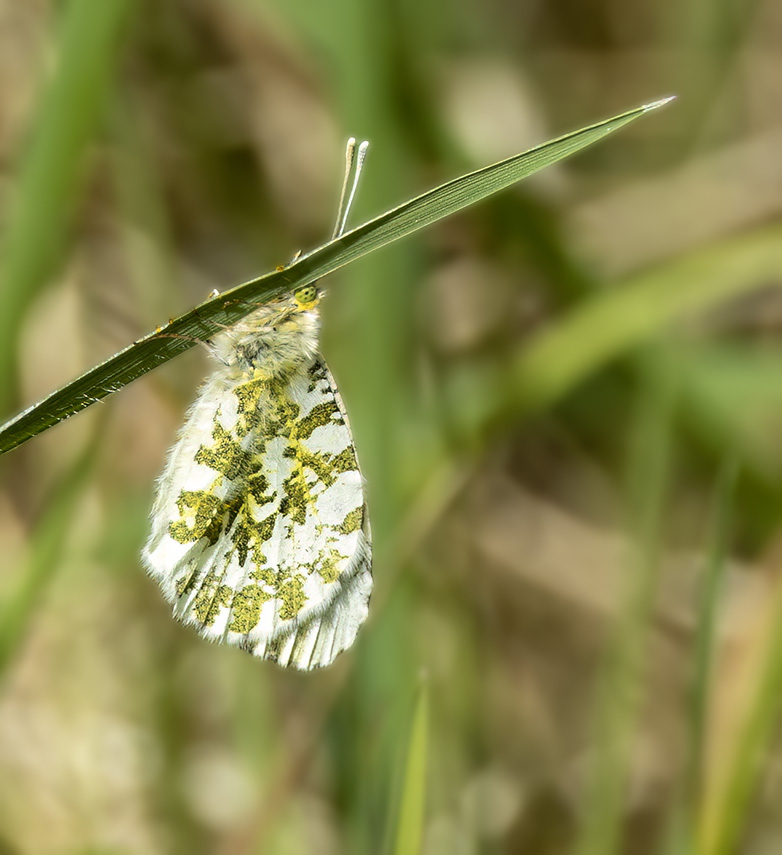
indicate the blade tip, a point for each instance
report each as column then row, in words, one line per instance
column 659, row 103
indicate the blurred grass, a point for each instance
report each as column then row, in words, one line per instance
column 540, row 436
column 650, row 463
column 412, row 797
column 703, row 672
column 19, row 608
column 631, row 312
column 730, row 797
column 87, row 51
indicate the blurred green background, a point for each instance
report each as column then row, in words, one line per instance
column 582, row 594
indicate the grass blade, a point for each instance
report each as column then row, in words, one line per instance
column 229, row 307
column 410, row 825
column 69, row 114
column 631, row 312
column 45, row 558
column 618, row 700
column 681, row 833
column 726, row 808
column 707, row 630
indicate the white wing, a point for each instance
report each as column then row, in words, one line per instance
column 260, row 535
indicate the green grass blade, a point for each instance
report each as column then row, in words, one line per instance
column 723, row 821
column 229, row 307
column 568, row 351
column 44, row 560
column 617, row 705
column 68, row 117
column 707, row 630
column 410, row 825
column 681, row 833
column 633, row 311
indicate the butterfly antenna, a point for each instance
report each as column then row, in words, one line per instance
column 353, row 156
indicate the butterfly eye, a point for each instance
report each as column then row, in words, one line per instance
column 305, row 295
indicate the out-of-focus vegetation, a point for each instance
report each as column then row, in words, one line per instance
column 589, row 581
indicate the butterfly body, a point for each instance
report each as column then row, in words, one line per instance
column 260, row 535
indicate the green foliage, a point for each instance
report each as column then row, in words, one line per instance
column 412, row 801
column 69, row 113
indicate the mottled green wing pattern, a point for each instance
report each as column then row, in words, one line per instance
column 260, row 535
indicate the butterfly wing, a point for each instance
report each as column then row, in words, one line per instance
column 260, row 534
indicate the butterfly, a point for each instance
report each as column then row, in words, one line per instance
column 260, row 535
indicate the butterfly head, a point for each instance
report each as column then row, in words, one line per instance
column 307, row 297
